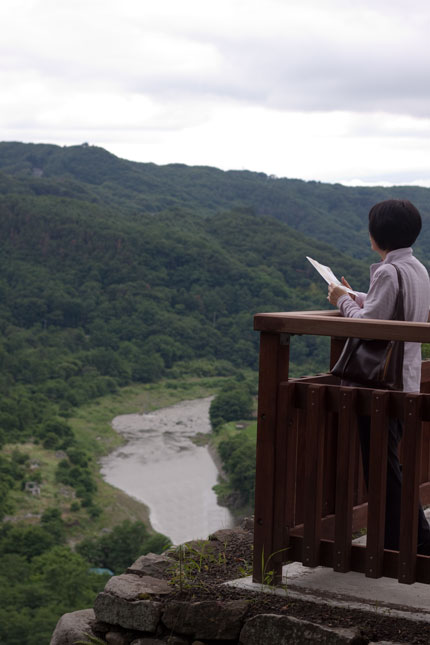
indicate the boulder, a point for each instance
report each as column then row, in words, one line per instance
column 126, row 601
column 133, row 587
column 141, row 615
column 248, row 523
column 209, row 619
column 117, row 638
column 151, row 565
column 284, row 630
column 227, row 535
column 72, row 627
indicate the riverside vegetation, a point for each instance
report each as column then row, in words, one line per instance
column 114, row 277
column 40, row 577
column 232, row 415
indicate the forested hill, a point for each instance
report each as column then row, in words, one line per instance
column 113, row 272
column 326, row 212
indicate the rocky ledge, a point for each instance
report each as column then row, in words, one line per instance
column 180, row 599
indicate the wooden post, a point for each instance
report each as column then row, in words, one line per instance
column 410, row 489
column 285, row 485
column 329, row 460
column 345, row 480
column 377, row 484
column 291, row 458
column 315, row 426
column 274, row 362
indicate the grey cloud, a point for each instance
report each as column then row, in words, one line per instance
column 305, row 77
column 311, row 69
column 322, row 76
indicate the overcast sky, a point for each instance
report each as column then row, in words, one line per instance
column 331, row 90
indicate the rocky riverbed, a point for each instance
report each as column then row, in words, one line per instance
column 162, row 467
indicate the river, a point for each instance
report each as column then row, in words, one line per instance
column 161, row 466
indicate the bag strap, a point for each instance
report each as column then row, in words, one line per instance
column 399, row 312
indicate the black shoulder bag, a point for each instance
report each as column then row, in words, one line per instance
column 374, row 363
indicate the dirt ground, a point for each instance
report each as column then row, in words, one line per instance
column 206, row 565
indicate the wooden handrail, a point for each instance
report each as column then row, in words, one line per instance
column 330, row 323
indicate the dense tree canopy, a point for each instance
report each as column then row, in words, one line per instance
column 331, row 213
column 95, row 295
column 113, row 272
column 118, row 549
column 40, row 579
column 231, row 404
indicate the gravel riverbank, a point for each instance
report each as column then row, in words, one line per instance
column 161, row 466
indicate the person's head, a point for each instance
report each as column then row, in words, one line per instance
column 394, row 224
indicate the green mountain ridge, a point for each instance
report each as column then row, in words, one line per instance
column 96, row 295
column 326, row 212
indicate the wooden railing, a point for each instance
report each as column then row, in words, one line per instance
column 310, row 495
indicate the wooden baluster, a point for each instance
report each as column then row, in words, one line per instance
column 330, row 458
column 425, row 453
column 291, row 459
column 285, row 486
column 377, row 483
column 315, row 426
column 300, row 476
column 273, row 369
column 345, row 479
column 360, row 493
column 425, row 436
column 410, row 488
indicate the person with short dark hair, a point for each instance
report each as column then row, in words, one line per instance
column 394, row 225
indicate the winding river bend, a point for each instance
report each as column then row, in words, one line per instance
column 161, row 466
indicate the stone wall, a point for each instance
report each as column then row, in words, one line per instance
column 139, row 608
column 195, row 624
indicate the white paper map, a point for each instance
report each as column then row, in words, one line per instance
column 327, row 274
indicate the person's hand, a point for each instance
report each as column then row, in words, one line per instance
column 334, row 293
column 344, row 282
